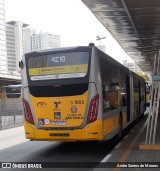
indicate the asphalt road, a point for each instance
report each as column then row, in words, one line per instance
column 39, row 151
column 67, row 155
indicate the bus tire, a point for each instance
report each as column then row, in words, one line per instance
column 120, row 126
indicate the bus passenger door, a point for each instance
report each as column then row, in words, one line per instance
column 128, row 98
column 139, row 89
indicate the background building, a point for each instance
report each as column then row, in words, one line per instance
column 39, row 41
column 14, row 44
column 27, row 32
column 20, row 40
column 3, row 55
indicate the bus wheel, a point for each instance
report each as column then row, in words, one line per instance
column 120, row 126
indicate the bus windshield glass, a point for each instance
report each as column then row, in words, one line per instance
column 58, row 66
column 13, row 91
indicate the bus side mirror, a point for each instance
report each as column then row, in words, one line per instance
column 21, row 64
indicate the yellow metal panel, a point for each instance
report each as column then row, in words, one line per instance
column 45, row 108
column 116, row 125
column 92, row 131
column 124, row 118
column 108, row 126
column 29, row 130
column 112, row 124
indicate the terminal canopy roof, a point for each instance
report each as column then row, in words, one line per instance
column 135, row 24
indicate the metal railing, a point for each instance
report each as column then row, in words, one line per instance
column 11, row 112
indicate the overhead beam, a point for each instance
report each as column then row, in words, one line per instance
column 131, row 20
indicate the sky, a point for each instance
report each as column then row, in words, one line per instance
column 71, row 19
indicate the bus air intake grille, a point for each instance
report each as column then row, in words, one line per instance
column 59, row 135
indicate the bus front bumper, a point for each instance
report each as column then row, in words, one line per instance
column 90, row 132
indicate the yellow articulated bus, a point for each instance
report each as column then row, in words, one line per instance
column 78, row 94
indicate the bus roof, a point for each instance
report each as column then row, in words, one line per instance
column 60, row 49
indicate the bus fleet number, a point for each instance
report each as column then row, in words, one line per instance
column 58, row 59
column 77, row 102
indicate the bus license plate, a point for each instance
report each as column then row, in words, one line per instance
column 59, row 123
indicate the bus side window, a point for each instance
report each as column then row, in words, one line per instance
column 106, row 104
column 123, row 94
column 110, row 96
column 124, row 102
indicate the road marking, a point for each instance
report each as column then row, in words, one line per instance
column 106, row 158
column 118, row 145
column 128, row 149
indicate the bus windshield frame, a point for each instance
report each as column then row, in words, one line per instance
column 61, row 81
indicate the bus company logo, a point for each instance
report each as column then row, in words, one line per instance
column 41, row 105
column 56, row 104
column 6, row 165
column 73, row 109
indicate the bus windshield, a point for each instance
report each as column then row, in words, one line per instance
column 58, row 66
column 13, row 91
